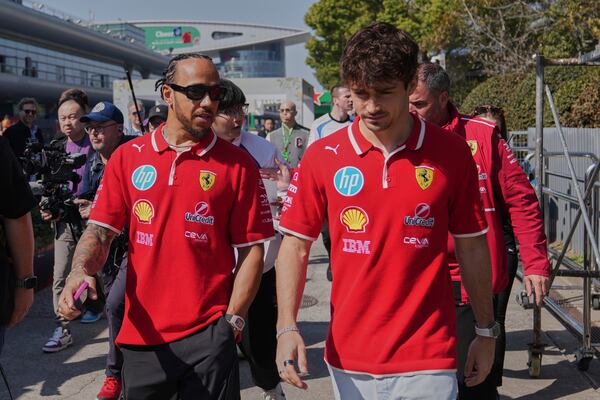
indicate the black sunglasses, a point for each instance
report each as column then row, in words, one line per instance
column 197, row 92
column 30, row 112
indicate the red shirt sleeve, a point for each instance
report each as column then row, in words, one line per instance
column 251, row 221
column 467, row 218
column 521, row 204
column 304, row 208
column 109, row 208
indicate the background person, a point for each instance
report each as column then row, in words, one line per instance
column 135, row 120
column 16, row 238
column 158, row 115
column 505, row 192
column 291, row 139
column 267, row 128
column 337, row 118
column 68, row 227
column 395, row 188
column 24, row 131
column 325, row 125
column 496, row 116
column 104, row 125
column 184, row 219
column 258, row 339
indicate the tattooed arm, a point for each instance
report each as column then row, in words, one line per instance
column 90, row 255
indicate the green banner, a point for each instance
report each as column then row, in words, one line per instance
column 171, row 37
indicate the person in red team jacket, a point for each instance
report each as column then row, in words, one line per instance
column 505, row 192
column 392, row 186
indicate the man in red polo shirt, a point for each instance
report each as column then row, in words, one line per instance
column 506, row 193
column 392, row 186
column 187, row 199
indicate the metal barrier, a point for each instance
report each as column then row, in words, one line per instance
column 587, row 204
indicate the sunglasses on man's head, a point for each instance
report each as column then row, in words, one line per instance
column 197, row 92
column 30, row 112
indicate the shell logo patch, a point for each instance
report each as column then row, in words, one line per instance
column 424, row 176
column 207, row 180
column 144, row 211
column 355, row 219
column 473, row 146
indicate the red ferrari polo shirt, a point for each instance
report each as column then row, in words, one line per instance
column 392, row 308
column 185, row 212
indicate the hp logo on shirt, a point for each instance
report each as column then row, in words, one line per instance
column 348, row 181
column 143, row 177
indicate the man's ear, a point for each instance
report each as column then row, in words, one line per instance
column 167, row 95
column 443, row 98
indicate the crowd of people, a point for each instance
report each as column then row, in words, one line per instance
column 419, row 206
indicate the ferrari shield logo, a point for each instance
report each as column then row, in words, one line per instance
column 424, row 176
column 207, row 180
column 473, row 146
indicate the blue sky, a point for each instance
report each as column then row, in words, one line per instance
column 269, row 12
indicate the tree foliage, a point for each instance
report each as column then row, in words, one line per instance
column 493, row 36
column 575, row 90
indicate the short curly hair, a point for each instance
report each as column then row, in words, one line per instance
column 379, row 52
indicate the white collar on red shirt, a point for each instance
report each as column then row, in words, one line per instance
column 361, row 145
column 159, row 144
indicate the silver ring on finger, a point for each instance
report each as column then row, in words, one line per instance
column 288, row 362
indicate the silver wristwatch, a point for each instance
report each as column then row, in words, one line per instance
column 236, row 322
column 491, row 332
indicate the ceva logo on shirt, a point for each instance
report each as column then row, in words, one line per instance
column 143, row 177
column 348, row 181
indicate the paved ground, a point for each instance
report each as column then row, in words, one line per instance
column 78, row 372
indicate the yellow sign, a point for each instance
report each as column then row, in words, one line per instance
column 207, row 179
column 144, row 211
column 473, row 146
column 424, row 176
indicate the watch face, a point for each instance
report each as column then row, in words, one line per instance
column 31, row 283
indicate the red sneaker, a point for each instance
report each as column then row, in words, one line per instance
column 111, row 390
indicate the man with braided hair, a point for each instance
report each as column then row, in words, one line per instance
column 188, row 198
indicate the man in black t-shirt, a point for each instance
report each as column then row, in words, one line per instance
column 24, row 131
column 16, row 234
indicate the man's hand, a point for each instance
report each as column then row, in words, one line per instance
column 46, row 215
column 479, row 360
column 281, row 174
column 66, row 303
column 85, row 207
column 23, row 302
column 290, row 347
column 539, row 285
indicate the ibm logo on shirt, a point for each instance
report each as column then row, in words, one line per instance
column 348, row 181
column 143, row 177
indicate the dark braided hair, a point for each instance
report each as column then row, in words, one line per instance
column 169, row 73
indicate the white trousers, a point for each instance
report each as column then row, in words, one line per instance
column 351, row 386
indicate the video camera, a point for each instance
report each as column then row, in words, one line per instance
column 57, row 178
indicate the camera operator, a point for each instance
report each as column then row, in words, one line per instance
column 16, row 241
column 104, row 125
column 72, row 105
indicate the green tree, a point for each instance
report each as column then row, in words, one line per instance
column 334, row 21
column 487, row 36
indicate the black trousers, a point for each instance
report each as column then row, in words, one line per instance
column 500, row 307
column 258, row 339
column 326, row 238
column 200, row 366
column 465, row 330
column 115, row 311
